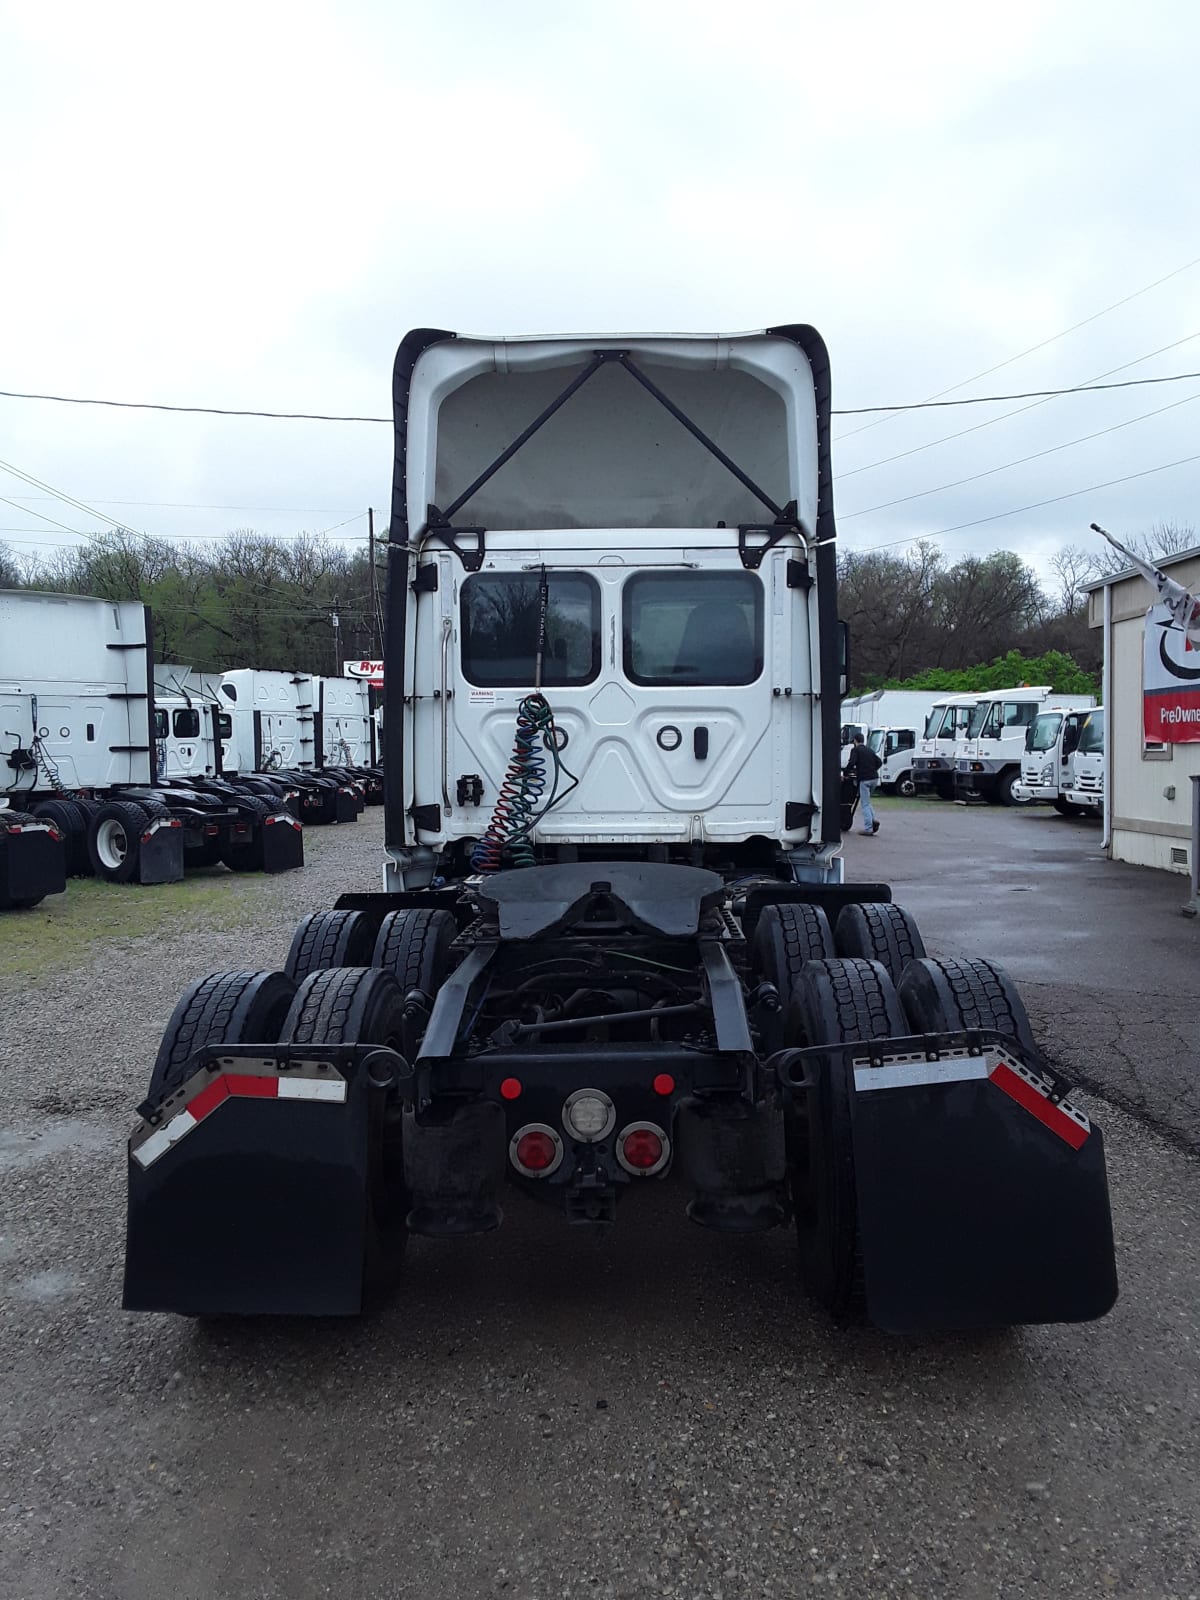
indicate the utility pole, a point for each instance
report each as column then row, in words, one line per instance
column 374, row 577
column 337, row 639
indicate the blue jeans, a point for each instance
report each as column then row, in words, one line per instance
column 864, row 800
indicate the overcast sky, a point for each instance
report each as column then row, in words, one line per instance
column 248, row 204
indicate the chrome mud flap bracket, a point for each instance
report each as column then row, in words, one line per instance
column 254, row 1187
column 982, row 1191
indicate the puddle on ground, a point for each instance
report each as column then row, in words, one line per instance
column 52, row 1284
column 22, row 1149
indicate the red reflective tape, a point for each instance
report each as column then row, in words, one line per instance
column 257, row 1088
column 209, row 1097
column 1047, row 1113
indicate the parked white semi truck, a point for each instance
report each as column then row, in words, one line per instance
column 988, row 764
column 78, row 748
column 935, row 754
column 616, row 946
column 279, row 725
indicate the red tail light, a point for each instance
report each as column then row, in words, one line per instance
column 643, row 1149
column 536, row 1150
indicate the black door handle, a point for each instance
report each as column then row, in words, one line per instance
column 700, row 743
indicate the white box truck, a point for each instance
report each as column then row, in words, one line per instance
column 988, row 766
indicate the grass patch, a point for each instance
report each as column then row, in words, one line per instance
column 67, row 929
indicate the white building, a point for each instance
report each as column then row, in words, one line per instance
column 1147, row 792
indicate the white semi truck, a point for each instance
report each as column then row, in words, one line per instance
column 616, row 944
column 78, row 726
column 988, row 764
column 935, row 754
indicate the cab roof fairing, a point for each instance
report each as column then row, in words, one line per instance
column 612, row 456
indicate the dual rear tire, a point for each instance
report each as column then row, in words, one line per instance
column 880, row 984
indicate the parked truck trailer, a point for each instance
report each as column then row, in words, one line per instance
column 78, row 749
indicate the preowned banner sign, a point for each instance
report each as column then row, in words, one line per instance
column 1170, row 681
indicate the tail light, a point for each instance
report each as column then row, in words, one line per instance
column 535, row 1150
column 643, row 1149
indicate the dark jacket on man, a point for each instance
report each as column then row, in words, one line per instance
column 863, row 765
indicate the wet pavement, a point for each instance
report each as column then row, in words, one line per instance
column 1107, row 965
column 541, row 1415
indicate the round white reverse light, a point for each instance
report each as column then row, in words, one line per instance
column 588, row 1114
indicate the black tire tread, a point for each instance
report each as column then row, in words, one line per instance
column 328, row 940
column 879, row 931
column 967, row 992
column 214, row 1010
column 413, row 946
column 326, row 1003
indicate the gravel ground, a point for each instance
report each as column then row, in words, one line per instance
column 538, row 1414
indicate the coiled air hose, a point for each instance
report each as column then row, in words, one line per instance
column 516, row 808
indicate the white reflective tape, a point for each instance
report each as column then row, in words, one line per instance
column 159, row 1143
column 910, row 1074
column 312, row 1089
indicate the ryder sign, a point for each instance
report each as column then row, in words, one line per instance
column 1170, row 681
column 372, row 671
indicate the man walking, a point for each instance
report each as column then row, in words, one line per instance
column 863, row 766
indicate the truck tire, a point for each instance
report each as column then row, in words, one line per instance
column 945, row 996
column 905, row 786
column 836, row 1002
column 414, row 946
column 114, row 840
column 327, row 939
column 1067, row 808
column 362, row 1005
column 224, row 1008
column 787, row 937
column 72, row 822
column 248, row 857
column 1003, row 794
column 879, row 931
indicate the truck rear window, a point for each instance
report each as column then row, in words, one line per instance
column 703, row 628
column 186, row 724
column 500, row 622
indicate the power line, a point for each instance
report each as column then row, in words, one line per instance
column 1020, row 356
column 205, row 411
column 921, row 494
column 67, row 499
column 1091, row 386
column 196, row 505
column 1039, row 401
column 1016, row 511
column 1032, row 394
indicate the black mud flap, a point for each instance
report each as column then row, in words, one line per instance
column 259, row 1207
column 160, row 858
column 33, row 863
column 346, row 805
column 282, row 843
column 981, row 1202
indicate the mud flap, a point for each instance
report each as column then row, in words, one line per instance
column 160, row 856
column 33, row 863
column 981, row 1203
column 282, row 843
column 346, row 807
column 260, row 1206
